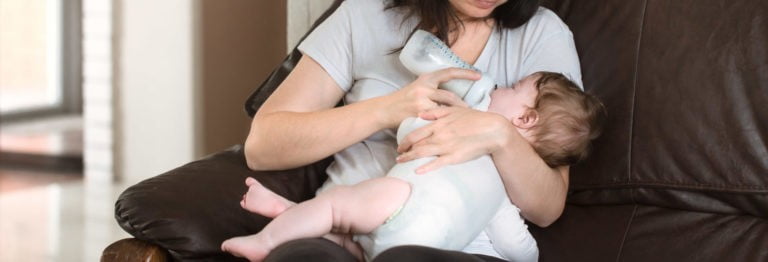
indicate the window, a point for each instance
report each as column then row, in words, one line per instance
column 40, row 72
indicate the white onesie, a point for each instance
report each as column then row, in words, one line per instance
column 451, row 206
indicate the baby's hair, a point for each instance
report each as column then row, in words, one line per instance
column 568, row 120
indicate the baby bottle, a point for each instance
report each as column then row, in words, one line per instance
column 425, row 53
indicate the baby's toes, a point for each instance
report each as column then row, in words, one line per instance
column 250, row 181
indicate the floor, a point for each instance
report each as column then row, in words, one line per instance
column 48, row 212
column 55, row 217
column 53, row 143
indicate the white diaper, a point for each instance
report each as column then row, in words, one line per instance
column 447, row 208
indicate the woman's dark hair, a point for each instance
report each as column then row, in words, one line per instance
column 437, row 16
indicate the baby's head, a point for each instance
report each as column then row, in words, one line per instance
column 553, row 114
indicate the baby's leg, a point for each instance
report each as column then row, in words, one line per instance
column 510, row 236
column 343, row 209
column 262, row 201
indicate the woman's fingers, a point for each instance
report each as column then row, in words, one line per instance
column 420, row 134
column 437, row 113
column 443, row 158
column 448, row 74
column 419, row 152
column 447, row 98
column 422, row 94
column 457, row 135
column 439, row 162
column 414, row 137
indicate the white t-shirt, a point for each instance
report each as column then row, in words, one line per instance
column 354, row 46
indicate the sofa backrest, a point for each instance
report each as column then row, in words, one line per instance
column 261, row 93
column 685, row 84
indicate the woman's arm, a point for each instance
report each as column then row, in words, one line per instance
column 537, row 189
column 298, row 123
column 461, row 134
column 288, row 130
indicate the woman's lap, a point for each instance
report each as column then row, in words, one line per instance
column 319, row 249
column 421, row 254
column 311, row 249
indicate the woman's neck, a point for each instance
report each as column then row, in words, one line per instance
column 469, row 40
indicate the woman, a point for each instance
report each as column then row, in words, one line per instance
column 352, row 56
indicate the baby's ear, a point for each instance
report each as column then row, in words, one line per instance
column 527, row 120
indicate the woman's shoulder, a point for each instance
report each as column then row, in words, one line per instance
column 542, row 25
column 373, row 17
column 367, row 12
column 362, row 5
column 546, row 20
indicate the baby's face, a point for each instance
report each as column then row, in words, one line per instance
column 514, row 101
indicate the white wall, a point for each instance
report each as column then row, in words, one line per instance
column 98, row 113
column 157, row 97
column 301, row 15
column 155, row 101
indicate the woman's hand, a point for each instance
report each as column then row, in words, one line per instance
column 422, row 94
column 458, row 134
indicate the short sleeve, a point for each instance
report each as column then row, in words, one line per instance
column 330, row 45
column 556, row 52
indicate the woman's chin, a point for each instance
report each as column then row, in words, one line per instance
column 486, row 4
column 476, row 9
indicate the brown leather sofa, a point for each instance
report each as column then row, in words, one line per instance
column 680, row 173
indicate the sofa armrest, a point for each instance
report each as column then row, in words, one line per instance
column 131, row 249
column 192, row 209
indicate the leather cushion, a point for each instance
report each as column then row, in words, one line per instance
column 192, row 209
column 685, row 84
column 261, row 93
column 647, row 233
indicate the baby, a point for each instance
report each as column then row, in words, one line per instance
column 446, row 208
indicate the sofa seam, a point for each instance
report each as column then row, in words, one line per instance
column 677, row 186
column 626, row 232
column 634, row 99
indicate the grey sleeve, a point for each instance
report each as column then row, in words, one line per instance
column 557, row 54
column 555, row 50
column 330, row 45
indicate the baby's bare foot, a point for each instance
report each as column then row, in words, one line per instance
column 262, row 201
column 250, row 247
